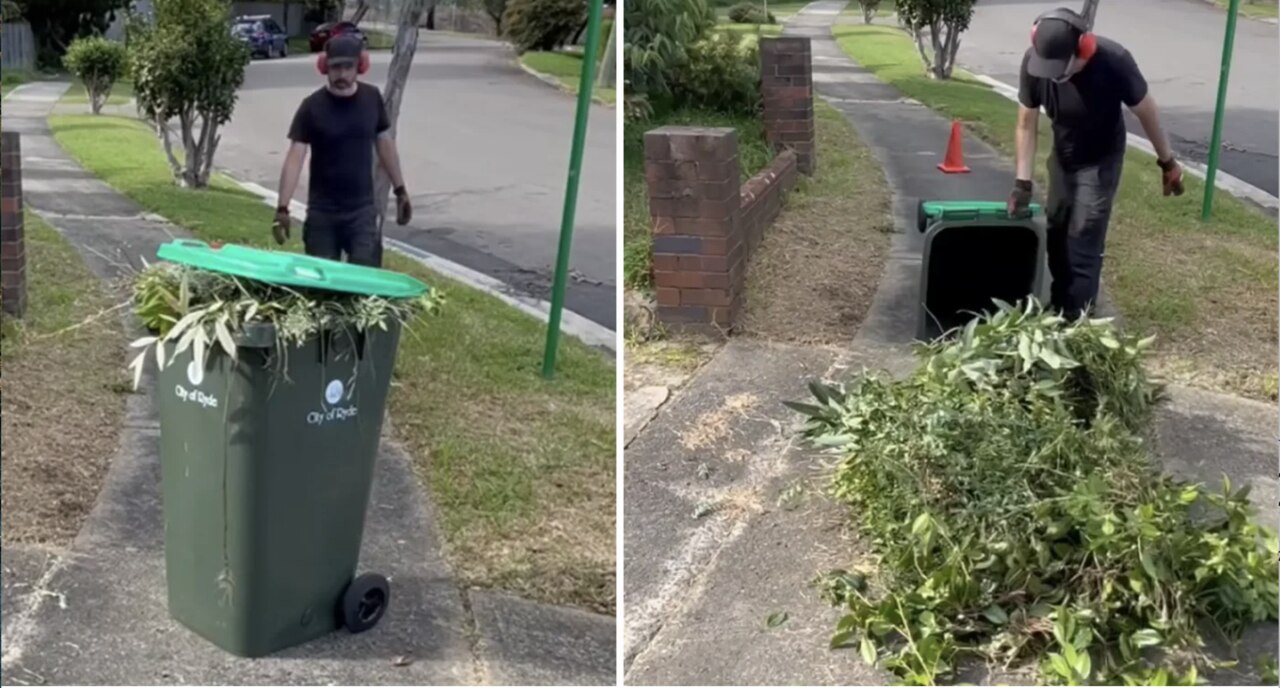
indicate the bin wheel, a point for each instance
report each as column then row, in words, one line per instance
column 922, row 222
column 365, row 601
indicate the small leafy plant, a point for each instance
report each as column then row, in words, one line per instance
column 187, row 308
column 98, row 63
column 1017, row 517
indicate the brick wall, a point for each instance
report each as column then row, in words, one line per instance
column 13, row 257
column 786, row 83
column 706, row 222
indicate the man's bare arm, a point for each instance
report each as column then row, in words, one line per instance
column 1148, row 116
column 291, row 171
column 390, row 159
column 1026, row 138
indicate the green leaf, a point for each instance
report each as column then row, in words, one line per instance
column 1083, row 665
column 868, row 650
column 1147, row 637
column 922, row 524
column 820, row 392
column 1060, row 666
column 996, row 615
column 1050, row 358
column 776, row 619
column 842, row 639
column 806, row 409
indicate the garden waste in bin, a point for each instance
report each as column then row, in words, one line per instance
column 267, row 462
column 974, row 252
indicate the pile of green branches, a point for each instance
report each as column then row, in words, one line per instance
column 187, row 308
column 1017, row 518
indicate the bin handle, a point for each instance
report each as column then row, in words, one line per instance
column 308, row 271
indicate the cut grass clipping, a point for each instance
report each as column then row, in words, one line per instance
column 522, row 469
column 1019, row 519
column 63, row 393
column 1207, row 289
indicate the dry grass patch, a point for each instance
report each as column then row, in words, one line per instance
column 64, row 394
column 813, row 276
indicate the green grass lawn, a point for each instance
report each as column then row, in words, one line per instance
column 1209, row 290
column 11, row 79
column 63, row 392
column 522, row 469
column 753, row 155
column 121, row 93
column 1253, row 8
column 566, row 67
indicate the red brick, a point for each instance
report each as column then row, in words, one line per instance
column 728, row 170
column 717, row 191
column 690, row 263
column 698, row 226
column 705, row 297
column 658, row 172
column 10, row 204
column 719, row 246
column 662, row 207
column 666, row 261
column 664, row 225
column 657, row 145
column 668, row 297
column 683, row 314
column 718, row 210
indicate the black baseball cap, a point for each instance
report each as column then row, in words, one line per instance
column 342, row 50
column 1054, row 46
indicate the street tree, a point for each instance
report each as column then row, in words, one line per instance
column 495, row 9
column 188, row 66
column 412, row 12
column 55, row 23
column 869, row 9
column 609, row 63
column 940, row 22
column 98, row 63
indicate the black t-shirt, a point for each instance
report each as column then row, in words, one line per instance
column 1088, row 123
column 342, row 132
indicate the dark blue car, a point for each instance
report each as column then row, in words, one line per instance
column 262, row 34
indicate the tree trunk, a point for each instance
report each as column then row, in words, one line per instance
column 608, row 65
column 393, row 93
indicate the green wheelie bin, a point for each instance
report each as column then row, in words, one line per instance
column 974, row 252
column 267, row 464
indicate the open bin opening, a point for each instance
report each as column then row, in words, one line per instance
column 968, row 265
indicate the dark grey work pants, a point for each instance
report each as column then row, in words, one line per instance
column 1078, row 214
column 353, row 234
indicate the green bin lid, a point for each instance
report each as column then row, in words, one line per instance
column 994, row 210
column 292, row 269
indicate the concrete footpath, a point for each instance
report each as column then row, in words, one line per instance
column 726, row 520
column 96, row 613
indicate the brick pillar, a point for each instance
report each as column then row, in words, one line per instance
column 786, row 82
column 693, row 178
column 13, row 255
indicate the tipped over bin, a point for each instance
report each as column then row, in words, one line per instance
column 974, row 252
column 269, row 433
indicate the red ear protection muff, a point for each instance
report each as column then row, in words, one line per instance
column 322, row 63
column 1088, row 44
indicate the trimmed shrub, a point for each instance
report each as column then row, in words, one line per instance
column 542, row 24
column 722, row 74
column 749, row 13
column 98, row 63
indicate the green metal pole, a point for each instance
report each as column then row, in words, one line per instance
column 571, row 191
column 1216, row 144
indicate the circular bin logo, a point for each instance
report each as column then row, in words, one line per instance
column 333, row 393
column 195, row 372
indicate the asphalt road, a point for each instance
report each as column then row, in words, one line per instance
column 1178, row 46
column 485, row 149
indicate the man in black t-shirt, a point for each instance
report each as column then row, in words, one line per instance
column 342, row 124
column 1081, row 81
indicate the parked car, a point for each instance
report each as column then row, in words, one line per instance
column 324, row 32
column 262, row 34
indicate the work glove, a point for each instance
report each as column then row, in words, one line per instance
column 1172, row 177
column 1020, row 198
column 280, row 226
column 404, row 209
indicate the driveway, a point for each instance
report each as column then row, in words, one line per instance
column 485, row 149
column 1178, row 46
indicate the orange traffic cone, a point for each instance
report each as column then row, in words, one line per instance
column 954, row 162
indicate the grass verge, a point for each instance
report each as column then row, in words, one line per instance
column 753, row 155
column 64, row 387
column 815, row 271
column 121, row 93
column 522, row 470
column 13, row 78
column 1207, row 289
column 1252, row 8
column 566, row 67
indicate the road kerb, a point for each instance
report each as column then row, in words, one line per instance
column 573, row 324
